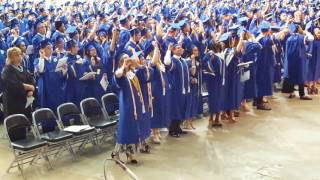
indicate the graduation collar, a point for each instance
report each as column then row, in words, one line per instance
column 177, row 57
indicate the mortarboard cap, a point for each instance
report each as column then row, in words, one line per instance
column 264, row 26
column 275, row 28
column 123, row 19
column 18, row 41
column 293, row 27
column 134, row 31
column 44, row 43
column 225, row 37
column 71, row 43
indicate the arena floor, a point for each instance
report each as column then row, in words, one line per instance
column 281, row 144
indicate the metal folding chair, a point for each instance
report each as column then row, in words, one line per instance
column 47, row 128
column 110, row 104
column 98, row 118
column 69, row 115
column 26, row 147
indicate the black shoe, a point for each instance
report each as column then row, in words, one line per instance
column 174, row 134
column 264, row 106
column 292, row 96
column 180, row 131
column 305, row 98
column 217, row 125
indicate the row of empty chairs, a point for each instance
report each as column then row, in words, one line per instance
column 50, row 135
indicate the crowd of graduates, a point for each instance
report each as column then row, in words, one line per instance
column 159, row 57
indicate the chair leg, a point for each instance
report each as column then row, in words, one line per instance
column 69, row 148
column 8, row 170
column 20, row 167
column 35, row 159
column 46, row 158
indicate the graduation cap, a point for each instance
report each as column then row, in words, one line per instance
column 59, row 38
column 51, row 8
column 175, row 26
column 18, row 41
column 44, row 43
column 225, row 37
column 293, row 27
column 14, row 22
column 234, row 28
column 71, row 43
column 204, row 18
column 144, row 31
column 134, row 31
column 275, row 28
column 103, row 30
column 183, row 23
column 72, row 31
column 39, row 21
column 264, row 26
column 88, row 47
column 123, row 19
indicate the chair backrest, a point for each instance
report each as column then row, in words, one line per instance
column 110, row 103
column 16, row 127
column 44, row 120
column 91, row 109
column 69, row 114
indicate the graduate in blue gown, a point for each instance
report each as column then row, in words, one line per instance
column 131, row 108
column 77, row 68
column 95, row 65
column 314, row 63
column 213, row 75
column 180, row 83
column 20, row 42
column 161, row 95
column 295, row 69
column 265, row 66
column 59, row 48
column 195, row 86
column 39, row 36
column 51, row 83
column 233, row 88
column 250, row 51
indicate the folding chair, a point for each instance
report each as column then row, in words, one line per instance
column 97, row 117
column 26, row 147
column 110, row 104
column 48, row 129
column 69, row 116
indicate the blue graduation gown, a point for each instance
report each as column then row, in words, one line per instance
column 130, row 45
column 179, row 80
column 314, row 61
column 123, row 38
column 187, row 46
column 213, row 79
column 295, row 60
column 278, row 61
column 2, row 64
column 76, row 89
column 195, row 89
column 129, row 104
column 36, row 44
column 233, row 88
column 94, row 86
column 250, row 54
column 161, row 101
column 145, row 78
column 51, row 86
column 265, row 67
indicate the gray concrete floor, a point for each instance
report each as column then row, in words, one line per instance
column 281, row 144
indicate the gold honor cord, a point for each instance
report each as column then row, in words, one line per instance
column 134, row 101
column 182, row 72
column 138, row 88
column 74, row 71
column 163, row 83
column 188, row 75
column 150, row 106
